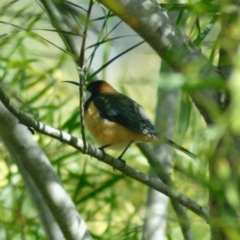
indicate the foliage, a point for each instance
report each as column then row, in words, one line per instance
column 34, row 61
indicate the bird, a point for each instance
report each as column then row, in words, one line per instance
column 116, row 121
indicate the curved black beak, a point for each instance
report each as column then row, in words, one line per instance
column 75, row 83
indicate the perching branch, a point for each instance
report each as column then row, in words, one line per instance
column 100, row 155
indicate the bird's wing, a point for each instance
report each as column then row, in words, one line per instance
column 124, row 111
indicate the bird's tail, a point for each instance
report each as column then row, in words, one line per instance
column 180, row 148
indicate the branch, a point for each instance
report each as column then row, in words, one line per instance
column 49, row 224
column 56, row 205
column 161, row 157
column 154, row 26
column 100, row 155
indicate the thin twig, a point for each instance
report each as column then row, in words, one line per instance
column 82, row 75
column 81, row 106
column 82, row 50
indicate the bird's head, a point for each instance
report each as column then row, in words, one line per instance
column 97, row 87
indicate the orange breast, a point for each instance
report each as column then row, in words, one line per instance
column 110, row 133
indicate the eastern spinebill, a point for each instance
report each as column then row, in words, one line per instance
column 116, row 121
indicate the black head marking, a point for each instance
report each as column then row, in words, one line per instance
column 95, row 87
